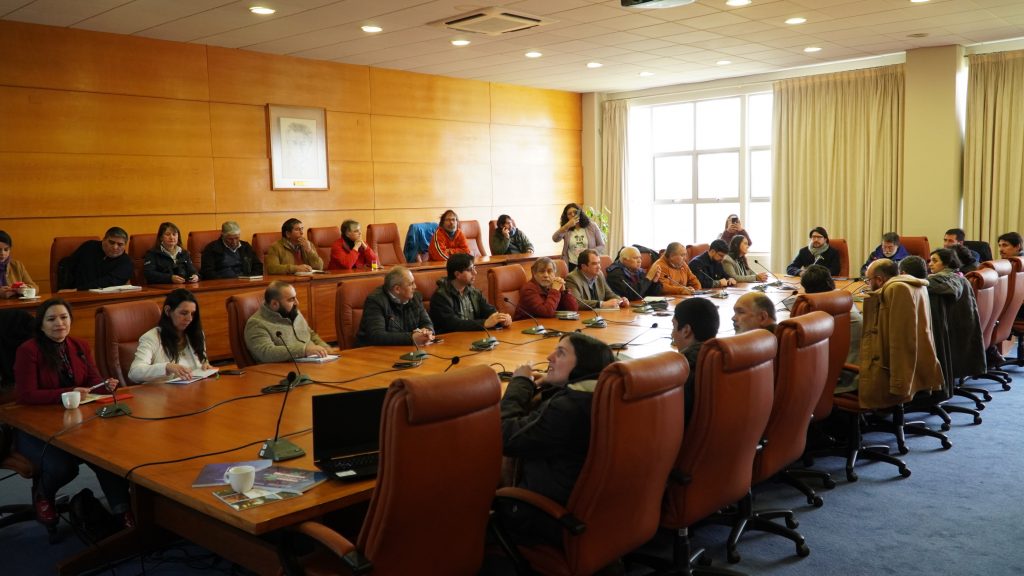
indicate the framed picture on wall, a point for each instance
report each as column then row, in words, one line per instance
column 298, row 147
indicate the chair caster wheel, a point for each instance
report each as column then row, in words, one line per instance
column 732, row 556
column 1006, row 386
column 851, row 476
column 944, row 427
column 791, row 522
column 802, row 550
column 987, row 397
column 904, row 450
column 704, row 560
column 818, row 502
column 905, row 472
column 979, row 406
column 946, row 444
column 828, row 483
column 977, row 420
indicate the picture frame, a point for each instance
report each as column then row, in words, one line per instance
column 297, row 139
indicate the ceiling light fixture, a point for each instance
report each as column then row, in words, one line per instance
column 533, row 54
column 370, row 29
column 594, row 64
column 737, row 3
column 261, row 10
column 645, row 74
column 812, row 49
column 724, row 62
column 796, row 20
column 460, row 42
column 918, row 1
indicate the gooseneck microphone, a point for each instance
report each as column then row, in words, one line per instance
column 538, row 328
column 597, row 321
column 714, row 283
column 623, row 345
column 296, row 378
column 115, row 409
column 484, row 343
column 276, row 448
column 777, row 283
column 416, row 355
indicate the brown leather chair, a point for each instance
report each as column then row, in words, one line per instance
column 240, row 308
column 983, row 249
column 694, row 250
column 118, row 329
column 990, row 294
column 441, row 430
column 505, row 282
column 917, row 246
column 801, row 370
column 137, row 248
column 732, row 401
column 1017, row 326
column 350, row 297
column 11, row 514
column 635, row 434
column 197, row 242
column 426, row 283
column 561, row 268
column 323, row 237
column 262, row 241
column 1010, row 270
column 477, row 243
column 840, row 246
column 492, row 225
column 606, row 261
column 383, row 239
column 62, row 247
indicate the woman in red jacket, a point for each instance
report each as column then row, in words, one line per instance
column 545, row 293
column 350, row 251
column 51, row 363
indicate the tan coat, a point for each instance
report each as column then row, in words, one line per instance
column 280, row 259
column 897, row 351
column 16, row 272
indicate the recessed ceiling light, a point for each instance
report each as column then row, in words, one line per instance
column 645, row 73
column 812, row 49
column 796, row 20
column 724, row 62
column 594, row 64
column 261, row 10
column 918, row 35
column 918, row 1
column 737, row 2
column 533, row 54
column 372, row 29
column 460, row 42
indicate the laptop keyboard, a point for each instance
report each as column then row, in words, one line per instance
column 360, row 461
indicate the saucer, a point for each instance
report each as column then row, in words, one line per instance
column 27, row 298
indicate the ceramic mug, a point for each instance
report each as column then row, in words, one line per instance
column 71, row 399
column 241, row 478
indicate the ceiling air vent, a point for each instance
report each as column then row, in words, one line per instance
column 492, row 21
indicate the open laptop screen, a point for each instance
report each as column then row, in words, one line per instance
column 347, row 423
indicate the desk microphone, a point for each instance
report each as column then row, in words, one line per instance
column 484, row 343
column 644, row 305
column 597, row 321
column 817, row 259
column 415, row 356
column 277, row 448
column 115, row 409
column 714, row 283
column 777, row 283
column 296, row 378
column 623, row 345
column 538, row 328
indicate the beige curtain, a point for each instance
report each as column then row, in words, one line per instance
column 994, row 148
column 614, row 160
column 838, row 160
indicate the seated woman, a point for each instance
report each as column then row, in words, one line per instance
column 735, row 262
column 550, row 438
column 350, row 251
column 545, row 293
column 167, row 262
column 51, row 363
column 817, row 251
column 176, row 346
column 12, row 272
column 507, row 239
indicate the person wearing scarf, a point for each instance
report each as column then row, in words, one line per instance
column 817, row 251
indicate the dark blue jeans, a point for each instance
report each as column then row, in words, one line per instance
column 60, row 468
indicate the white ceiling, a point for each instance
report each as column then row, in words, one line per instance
column 679, row 45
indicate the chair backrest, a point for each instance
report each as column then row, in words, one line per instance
column 240, row 308
column 262, row 241
column 118, row 329
column 323, row 238
column 62, row 247
column 137, row 248
column 426, row 283
column 197, row 242
column 505, row 282
column 836, row 303
column 606, row 261
column 1014, row 298
column 385, row 242
column 561, row 268
column 801, row 369
column 917, row 246
column 1001, row 303
column 984, row 281
column 635, row 434
column 350, row 297
column 981, row 247
column 694, row 250
column 492, row 225
column 442, row 430
column 477, row 243
column 843, row 249
column 731, row 405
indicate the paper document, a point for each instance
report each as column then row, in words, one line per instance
column 196, row 375
column 113, row 289
column 318, row 360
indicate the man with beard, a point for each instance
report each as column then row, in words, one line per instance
column 278, row 332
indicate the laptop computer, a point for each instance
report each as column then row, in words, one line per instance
column 346, row 433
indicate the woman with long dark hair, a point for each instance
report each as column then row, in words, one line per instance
column 577, row 233
column 167, row 262
column 176, row 346
column 735, row 262
column 46, row 366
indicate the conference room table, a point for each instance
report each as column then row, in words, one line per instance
column 175, row 430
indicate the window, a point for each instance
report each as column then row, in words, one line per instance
column 692, row 164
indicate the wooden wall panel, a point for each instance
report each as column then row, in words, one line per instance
column 518, row 185
column 68, row 59
column 399, row 185
column 252, row 222
column 399, row 93
column 397, row 139
column 348, row 136
column 238, row 130
column 51, row 185
column 522, row 106
column 254, row 78
column 80, row 122
column 535, row 146
column 243, row 185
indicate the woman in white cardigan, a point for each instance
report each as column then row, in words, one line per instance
column 176, row 346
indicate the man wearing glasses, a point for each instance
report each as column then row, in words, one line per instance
column 457, row 306
column 817, row 251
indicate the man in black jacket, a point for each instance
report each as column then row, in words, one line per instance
column 457, row 306
column 627, row 277
column 230, row 257
column 707, row 267
column 98, row 264
column 393, row 314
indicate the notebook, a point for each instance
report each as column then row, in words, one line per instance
column 346, row 433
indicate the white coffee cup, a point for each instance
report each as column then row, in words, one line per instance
column 241, row 478
column 28, row 292
column 71, row 399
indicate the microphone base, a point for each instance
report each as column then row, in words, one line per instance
column 618, row 346
column 300, row 380
column 114, row 410
column 485, row 344
column 642, row 308
column 414, row 356
column 280, row 449
column 595, row 323
column 536, row 330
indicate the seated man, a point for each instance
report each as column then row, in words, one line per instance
column 695, row 322
column 816, row 252
column 753, row 310
column 589, row 286
column 448, row 239
column 277, row 332
column 507, row 239
column 101, row 263
column 545, row 293
column 890, row 248
column 1010, row 245
column 626, row 277
column 293, row 252
column 458, row 306
column 708, row 266
column 229, row 257
column 816, row 279
column 955, row 237
column 393, row 314
column 676, row 276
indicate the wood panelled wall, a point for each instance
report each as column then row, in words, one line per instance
column 101, row 129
